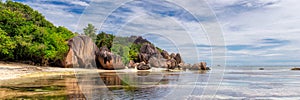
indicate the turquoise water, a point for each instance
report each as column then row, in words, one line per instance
column 235, row 83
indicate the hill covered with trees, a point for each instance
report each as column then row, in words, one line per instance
column 25, row 35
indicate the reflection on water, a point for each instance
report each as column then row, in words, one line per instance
column 92, row 86
column 238, row 83
column 138, row 85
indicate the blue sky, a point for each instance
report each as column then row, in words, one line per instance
column 256, row 32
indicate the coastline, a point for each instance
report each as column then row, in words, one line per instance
column 14, row 70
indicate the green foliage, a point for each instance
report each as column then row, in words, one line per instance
column 104, row 39
column 119, row 45
column 159, row 49
column 26, row 35
column 121, row 50
column 90, row 31
column 7, row 45
column 134, row 51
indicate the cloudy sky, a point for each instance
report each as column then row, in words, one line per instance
column 255, row 32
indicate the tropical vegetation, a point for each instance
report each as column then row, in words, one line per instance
column 25, row 35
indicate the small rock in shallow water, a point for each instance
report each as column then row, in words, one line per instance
column 261, row 69
column 207, row 68
column 295, row 69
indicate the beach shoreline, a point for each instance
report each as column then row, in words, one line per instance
column 14, row 70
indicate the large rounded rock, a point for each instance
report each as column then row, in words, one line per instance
column 143, row 57
column 157, row 62
column 109, row 60
column 171, row 63
column 172, row 55
column 203, row 66
column 67, row 62
column 200, row 66
column 82, row 53
column 178, row 58
column 165, row 54
column 143, row 66
column 148, row 49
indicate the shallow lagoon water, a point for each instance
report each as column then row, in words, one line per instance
column 237, row 83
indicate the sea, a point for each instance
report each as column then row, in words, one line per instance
column 232, row 82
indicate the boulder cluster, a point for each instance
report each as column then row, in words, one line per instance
column 83, row 53
column 149, row 56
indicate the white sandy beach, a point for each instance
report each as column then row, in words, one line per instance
column 18, row 70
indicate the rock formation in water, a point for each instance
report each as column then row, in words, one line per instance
column 149, row 54
column 82, row 53
column 200, row 66
column 171, row 63
column 109, row 60
column 143, row 66
column 178, row 58
column 172, row 55
column 158, row 62
column 165, row 54
column 203, row 66
column 261, row 69
column 295, row 68
column 173, row 60
column 143, row 57
column 147, row 51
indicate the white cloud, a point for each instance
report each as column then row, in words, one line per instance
column 57, row 14
column 81, row 3
column 244, row 22
column 275, row 21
